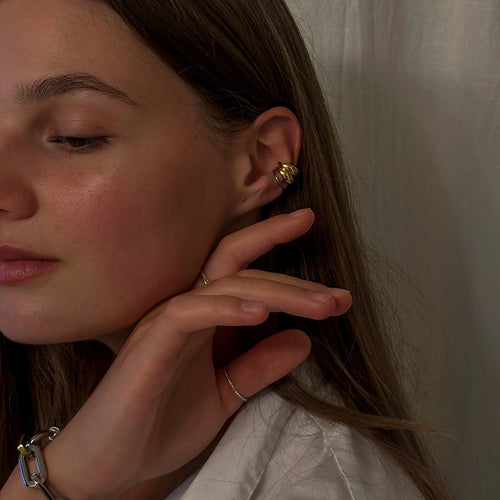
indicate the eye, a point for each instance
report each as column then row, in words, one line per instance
column 80, row 144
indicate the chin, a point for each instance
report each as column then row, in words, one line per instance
column 26, row 336
column 36, row 332
column 28, row 332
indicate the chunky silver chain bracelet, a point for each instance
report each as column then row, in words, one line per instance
column 31, row 450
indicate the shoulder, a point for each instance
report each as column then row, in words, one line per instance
column 275, row 451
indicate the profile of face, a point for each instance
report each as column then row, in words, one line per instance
column 107, row 170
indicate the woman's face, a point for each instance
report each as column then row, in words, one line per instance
column 128, row 216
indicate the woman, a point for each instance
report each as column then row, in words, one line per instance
column 147, row 148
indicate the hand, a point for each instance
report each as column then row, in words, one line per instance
column 163, row 401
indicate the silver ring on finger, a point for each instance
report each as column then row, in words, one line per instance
column 233, row 387
column 204, row 278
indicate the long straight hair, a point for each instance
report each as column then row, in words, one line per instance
column 240, row 58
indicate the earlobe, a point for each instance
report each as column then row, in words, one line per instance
column 272, row 147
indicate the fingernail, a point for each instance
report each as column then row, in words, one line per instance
column 319, row 296
column 338, row 292
column 252, row 306
column 299, row 213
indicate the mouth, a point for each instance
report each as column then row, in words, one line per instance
column 18, row 265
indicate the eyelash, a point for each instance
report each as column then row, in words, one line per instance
column 80, row 145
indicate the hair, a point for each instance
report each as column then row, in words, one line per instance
column 241, row 58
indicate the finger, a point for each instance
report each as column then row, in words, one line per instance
column 284, row 278
column 237, row 250
column 298, row 299
column 342, row 296
column 267, row 362
column 167, row 332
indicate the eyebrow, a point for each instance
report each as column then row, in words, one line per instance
column 58, row 85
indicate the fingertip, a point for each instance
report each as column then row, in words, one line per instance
column 305, row 215
column 297, row 341
column 294, row 224
column 304, row 347
column 301, row 212
column 343, row 303
column 338, row 292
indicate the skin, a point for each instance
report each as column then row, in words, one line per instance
column 130, row 224
column 87, row 210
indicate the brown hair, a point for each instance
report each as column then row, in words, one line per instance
column 241, row 58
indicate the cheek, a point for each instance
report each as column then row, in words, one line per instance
column 120, row 229
column 135, row 242
column 130, row 237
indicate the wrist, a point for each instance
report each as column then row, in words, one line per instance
column 70, row 478
column 61, row 470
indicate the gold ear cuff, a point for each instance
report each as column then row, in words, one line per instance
column 285, row 174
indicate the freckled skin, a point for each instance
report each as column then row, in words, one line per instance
column 130, row 222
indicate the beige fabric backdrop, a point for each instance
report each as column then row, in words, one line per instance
column 415, row 88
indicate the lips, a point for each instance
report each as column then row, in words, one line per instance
column 10, row 253
column 17, row 264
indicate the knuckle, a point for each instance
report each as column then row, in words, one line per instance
column 225, row 306
column 173, row 307
column 248, row 273
column 227, row 245
column 219, row 306
column 224, row 282
column 229, row 250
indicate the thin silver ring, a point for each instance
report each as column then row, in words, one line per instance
column 238, row 393
column 204, row 278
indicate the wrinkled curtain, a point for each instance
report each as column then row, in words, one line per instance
column 415, row 90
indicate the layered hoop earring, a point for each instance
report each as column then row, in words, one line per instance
column 285, row 174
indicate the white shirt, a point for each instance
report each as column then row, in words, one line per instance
column 274, row 451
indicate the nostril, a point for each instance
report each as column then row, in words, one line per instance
column 17, row 200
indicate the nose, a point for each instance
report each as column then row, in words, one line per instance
column 17, row 197
column 15, row 201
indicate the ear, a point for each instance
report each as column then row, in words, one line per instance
column 275, row 136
